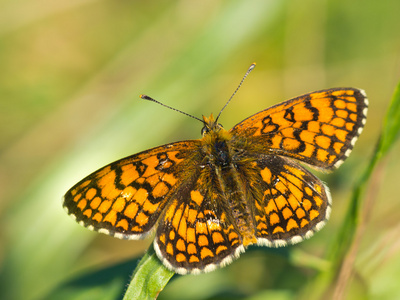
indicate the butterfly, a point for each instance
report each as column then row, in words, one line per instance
column 208, row 199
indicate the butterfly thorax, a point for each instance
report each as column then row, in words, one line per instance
column 215, row 143
column 220, row 169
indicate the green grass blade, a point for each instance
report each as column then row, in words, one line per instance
column 149, row 278
column 391, row 125
column 390, row 130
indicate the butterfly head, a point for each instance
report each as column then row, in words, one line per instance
column 211, row 125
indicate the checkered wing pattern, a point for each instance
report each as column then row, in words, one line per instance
column 126, row 198
column 196, row 233
column 294, row 203
column 318, row 128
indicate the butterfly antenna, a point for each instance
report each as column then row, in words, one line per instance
column 145, row 97
column 253, row 65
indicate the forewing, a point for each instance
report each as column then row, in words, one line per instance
column 318, row 128
column 195, row 234
column 294, row 203
column 125, row 198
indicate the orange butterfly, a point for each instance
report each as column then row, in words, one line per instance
column 208, row 199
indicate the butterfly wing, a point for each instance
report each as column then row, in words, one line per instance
column 126, row 198
column 318, row 128
column 196, row 233
column 294, row 203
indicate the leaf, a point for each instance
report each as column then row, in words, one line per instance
column 149, row 278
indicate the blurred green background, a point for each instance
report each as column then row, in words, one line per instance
column 70, row 80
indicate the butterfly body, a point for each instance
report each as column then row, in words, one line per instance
column 208, row 199
column 228, row 168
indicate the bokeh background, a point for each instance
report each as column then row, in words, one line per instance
column 71, row 75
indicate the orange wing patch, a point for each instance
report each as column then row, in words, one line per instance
column 295, row 203
column 126, row 198
column 195, row 235
column 319, row 128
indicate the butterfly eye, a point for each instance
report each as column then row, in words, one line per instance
column 204, row 130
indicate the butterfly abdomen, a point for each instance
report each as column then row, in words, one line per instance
column 235, row 200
